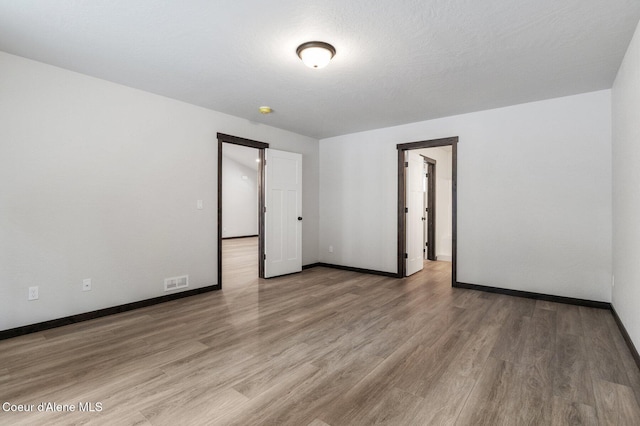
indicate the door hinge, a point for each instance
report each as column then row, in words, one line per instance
column 406, row 209
column 424, row 250
column 406, row 255
column 426, row 244
column 265, row 209
column 427, row 209
column 423, row 219
column 264, row 256
column 406, row 164
column 426, row 175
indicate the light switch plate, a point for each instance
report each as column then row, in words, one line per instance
column 33, row 293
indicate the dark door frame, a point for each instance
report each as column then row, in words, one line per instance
column 260, row 146
column 430, row 209
column 402, row 222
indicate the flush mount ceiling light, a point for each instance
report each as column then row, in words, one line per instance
column 265, row 110
column 316, row 54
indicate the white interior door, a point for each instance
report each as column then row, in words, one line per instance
column 283, row 215
column 414, row 212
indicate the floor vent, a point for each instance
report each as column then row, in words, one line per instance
column 175, row 283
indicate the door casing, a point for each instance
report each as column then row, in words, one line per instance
column 401, row 237
column 260, row 146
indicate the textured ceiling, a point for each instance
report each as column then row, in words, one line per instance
column 397, row 61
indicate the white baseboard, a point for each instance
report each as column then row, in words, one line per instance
column 443, row 258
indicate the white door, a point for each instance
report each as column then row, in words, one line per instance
column 414, row 212
column 283, row 215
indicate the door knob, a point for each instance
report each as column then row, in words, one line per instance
column 299, row 217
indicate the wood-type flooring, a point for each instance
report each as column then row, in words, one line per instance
column 328, row 347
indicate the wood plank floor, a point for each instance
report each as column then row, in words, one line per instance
column 330, row 347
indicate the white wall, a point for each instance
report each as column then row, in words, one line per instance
column 534, row 196
column 444, row 200
column 239, row 198
column 100, row 181
column 626, row 190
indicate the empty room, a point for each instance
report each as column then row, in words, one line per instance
column 320, row 213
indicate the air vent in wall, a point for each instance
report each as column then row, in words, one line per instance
column 175, row 283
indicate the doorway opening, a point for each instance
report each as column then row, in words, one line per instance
column 242, row 156
column 415, row 189
column 429, row 204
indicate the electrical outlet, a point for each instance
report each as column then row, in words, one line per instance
column 86, row 284
column 33, row 293
column 330, row 249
